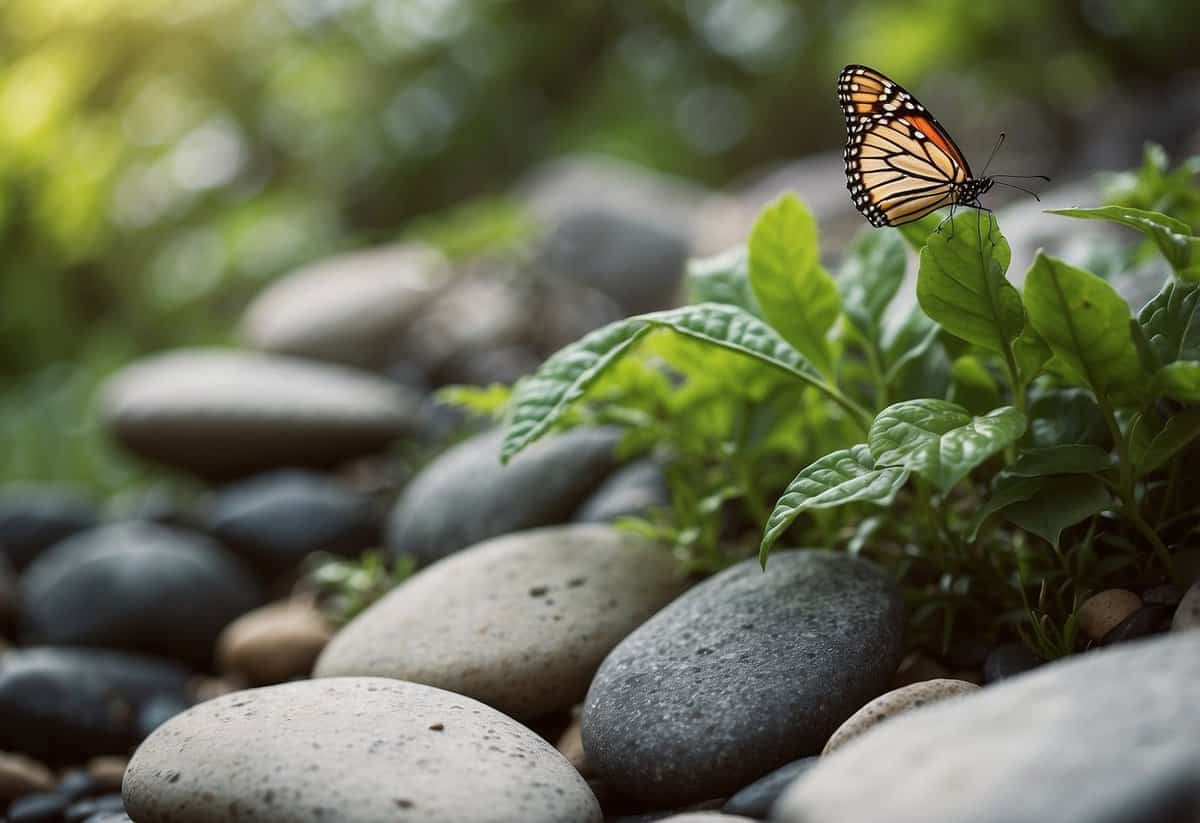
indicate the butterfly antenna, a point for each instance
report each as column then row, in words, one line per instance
column 1032, row 194
column 1023, row 176
column 992, row 156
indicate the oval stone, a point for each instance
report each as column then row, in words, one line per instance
column 1111, row 735
column 136, row 586
column 467, row 495
column 357, row 750
column 519, row 622
column 351, row 308
column 223, row 413
column 744, row 673
column 897, row 701
column 33, row 518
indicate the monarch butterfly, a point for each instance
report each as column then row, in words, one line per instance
column 901, row 164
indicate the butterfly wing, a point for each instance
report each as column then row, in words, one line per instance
column 900, row 163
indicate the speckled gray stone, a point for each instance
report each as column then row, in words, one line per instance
column 520, row 622
column 224, row 413
column 897, row 701
column 1111, row 735
column 747, row 671
column 357, row 750
column 467, row 495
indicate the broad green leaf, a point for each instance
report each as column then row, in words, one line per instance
column 1173, row 237
column 540, row 399
column 1085, row 323
column 870, row 278
column 1061, row 502
column 1031, row 354
column 1065, row 416
column 961, row 283
column 917, row 232
column 941, row 441
column 1180, row 380
column 1075, row 458
column 845, row 476
column 1176, row 435
column 483, row 400
column 722, row 278
column 798, row 297
column 916, row 362
column 972, row 386
column 1010, row 490
column 1171, row 323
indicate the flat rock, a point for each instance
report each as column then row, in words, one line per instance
column 1110, row 735
column 273, row 643
column 136, row 586
column 897, row 701
column 224, row 413
column 33, row 518
column 633, row 489
column 742, row 674
column 275, row 520
column 353, row 750
column 467, row 495
column 65, row 705
column 348, row 309
column 520, row 622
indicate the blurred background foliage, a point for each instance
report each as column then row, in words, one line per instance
column 161, row 161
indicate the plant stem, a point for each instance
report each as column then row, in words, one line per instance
column 862, row 417
column 876, row 367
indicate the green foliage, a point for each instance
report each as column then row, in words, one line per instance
column 345, row 587
column 1003, row 453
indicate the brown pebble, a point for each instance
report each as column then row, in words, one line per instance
column 108, row 771
column 1104, row 611
column 274, row 643
column 207, row 688
column 21, row 775
column 897, row 701
column 571, row 746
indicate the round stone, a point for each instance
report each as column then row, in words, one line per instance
column 33, row 518
column 1103, row 611
column 897, row 701
column 519, row 622
column 357, row 750
column 274, row 643
column 746, row 672
column 224, row 413
column 349, row 309
column 1009, row 660
column 633, row 489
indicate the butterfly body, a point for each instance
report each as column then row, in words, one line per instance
column 901, row 164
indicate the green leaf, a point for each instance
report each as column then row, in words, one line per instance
column 870, row 278
column 973, row 386
column 917, row 232
column 917, row 365
column 798, row 297
column 1008, row 491
column 540, row 399
column 1176, row 435
column 1171, row 323
column 1060, row 503
column 1180, row 380
column 1031, row 353
column 962, row 286
column 1085, row 323
column 1075, row 458
column 1173, row 237
column 845, row 476
column 941, row 441
column 722, row 278
column 489, row 400
column 1066, row 416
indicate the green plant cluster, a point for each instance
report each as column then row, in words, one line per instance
column 1004, row 452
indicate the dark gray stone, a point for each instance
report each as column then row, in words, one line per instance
column 159, row 710
column 37, row 808
column 33, row 518
column 224, row 414
column 637, row 263
column 1111, row 735
column 274, row 520
column 64, row 705
column 1009, row 660
column 77, row 784
column 10, row 598
column 742, row 674
column 466, row 495
column 136, row 586
column 1146, row 620
column 84, row 810
column 756, row 799
column 631, row 490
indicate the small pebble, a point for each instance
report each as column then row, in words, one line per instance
column 1009, row 660
column 1187, row 615
column 37, row 808
column 108, row 771
column 1167, row 594
column 570, row 744
column 76, row 784
column 893, row 703
column 1145, row 621
column 85, row 810
column 1102, row 612
column 21, row 775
